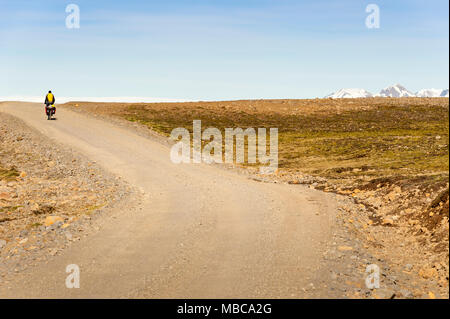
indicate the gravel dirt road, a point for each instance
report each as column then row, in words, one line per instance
column 201, row 232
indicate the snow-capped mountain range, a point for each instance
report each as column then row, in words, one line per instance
column 396, row 90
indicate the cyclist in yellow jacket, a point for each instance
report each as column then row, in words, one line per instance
column 49, row 103
column 49, row 98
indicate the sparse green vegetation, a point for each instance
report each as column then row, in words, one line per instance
column 91, row 209
column 34, row 225
column 337, row 139
column 8, row 174
column 9, row 208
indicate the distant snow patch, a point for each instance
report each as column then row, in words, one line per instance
column 432, row 93
column 349, row 94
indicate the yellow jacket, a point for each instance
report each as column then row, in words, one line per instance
column 50, row 99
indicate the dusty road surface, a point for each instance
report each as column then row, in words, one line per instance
column 202, row 232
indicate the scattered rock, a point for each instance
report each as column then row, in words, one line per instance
column 50, row 220
column 23, row 233
column 5, row 196
column 384, row 293
column 428, row 273
column 345, row 248
column 406, row 294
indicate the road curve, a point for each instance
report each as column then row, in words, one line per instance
column 202, row 232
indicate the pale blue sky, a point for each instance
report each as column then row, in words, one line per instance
column 216, row 50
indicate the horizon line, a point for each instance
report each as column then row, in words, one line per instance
column 64, row 100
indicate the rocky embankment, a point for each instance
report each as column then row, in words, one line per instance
column 400, row 224
column 50, row 196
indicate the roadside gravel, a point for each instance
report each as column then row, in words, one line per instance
column 54, row 197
